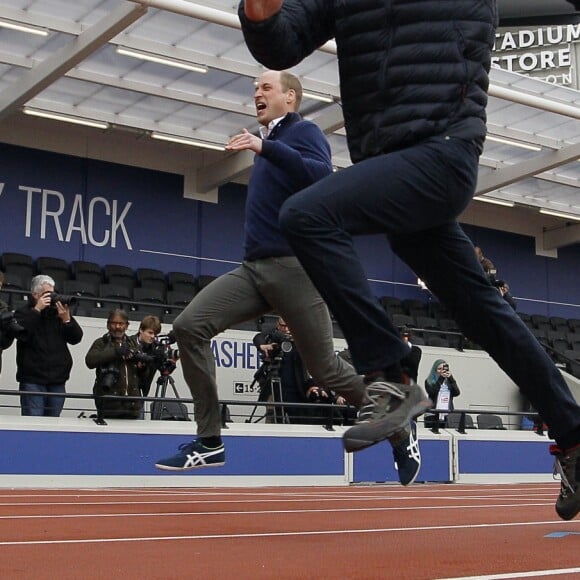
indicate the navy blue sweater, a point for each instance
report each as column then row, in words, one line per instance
column 295, row 155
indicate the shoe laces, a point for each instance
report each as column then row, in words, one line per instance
column 187, row 447
column 376, row 391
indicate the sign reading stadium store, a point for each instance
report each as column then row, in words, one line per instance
column 544, row 53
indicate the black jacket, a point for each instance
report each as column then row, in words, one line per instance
column 102, row 356
column 409, row 69
column 43, row 356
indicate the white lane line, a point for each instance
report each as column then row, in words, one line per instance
column 277, row 500
column 259, row 512
column 507, row 575
column 283, row 534
column 347, row 492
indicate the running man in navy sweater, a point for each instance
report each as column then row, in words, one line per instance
column 291, row 154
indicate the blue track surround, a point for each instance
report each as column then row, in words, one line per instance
column 46, row 452
column 375, row 464
column 509, row 455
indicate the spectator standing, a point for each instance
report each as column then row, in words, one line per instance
column 414, row 78
column 442, row 388
column 43, row 358
column 504, row 290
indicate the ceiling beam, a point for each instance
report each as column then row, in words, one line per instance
column 508, row 175
column 560, row 237
column 48, row 71
column 230, row 19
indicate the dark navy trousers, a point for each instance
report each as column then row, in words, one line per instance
column 414, row 196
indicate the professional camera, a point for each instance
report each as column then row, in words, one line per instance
column 281, row 344
column 138, row 356
column 164, row 354
column 10, row 326
column 108, row 378
column 62, row 298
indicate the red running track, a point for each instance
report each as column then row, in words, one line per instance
column 371, row 532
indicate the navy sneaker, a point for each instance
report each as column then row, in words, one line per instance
column 407, row 455
column 193, row 455
column 567, row 466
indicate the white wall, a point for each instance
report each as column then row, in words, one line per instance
column 483, row 384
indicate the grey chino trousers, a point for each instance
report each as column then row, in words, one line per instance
column 251, row 290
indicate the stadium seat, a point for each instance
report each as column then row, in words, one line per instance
column 538, row 319
column 149, row 274
column 14, row 259
column 400, row 320
column 155, row 283
column 15, row 282
column 487, row 421
column 182, row 278
column 118, row 270
column 127, row 282
column 558, row 323
column 437, row 341
column 52, row 264
column 181, row 299
column 413, row 305
column 24, row 271
column 154, row 301
column 560, row 345
column 116, row 296
column 89, row 278
column 426, row 322
column 454, row 418
column 79, row 266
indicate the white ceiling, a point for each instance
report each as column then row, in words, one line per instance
column 75, row 70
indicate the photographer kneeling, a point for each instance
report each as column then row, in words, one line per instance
column 118, row 362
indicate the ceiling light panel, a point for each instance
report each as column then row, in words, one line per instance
column 494, row 201
column 23, row 28
column 561, row 214
column 162, row 60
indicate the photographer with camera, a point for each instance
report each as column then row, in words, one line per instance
column 43, row 358
column 282, row 360
column 441, row 387
column 504, row 289
column 118, row 361
column 149, row 329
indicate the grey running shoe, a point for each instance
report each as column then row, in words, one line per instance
column 393, row 407
column 567, row 466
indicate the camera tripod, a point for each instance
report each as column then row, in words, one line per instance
column 268, row 378
column 171, row 410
